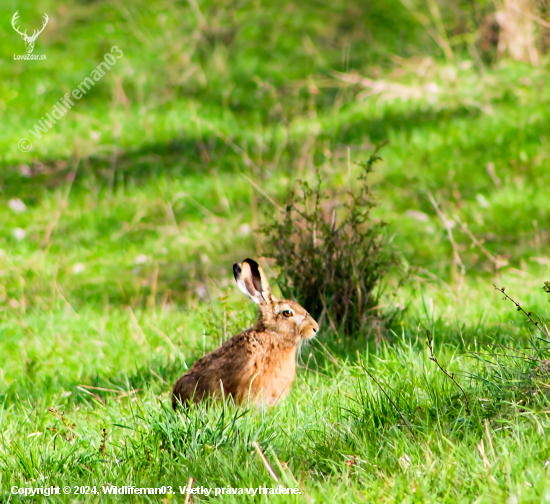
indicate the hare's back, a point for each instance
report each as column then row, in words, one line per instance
column 233, row 353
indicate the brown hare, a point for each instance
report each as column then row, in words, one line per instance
column 257, row 364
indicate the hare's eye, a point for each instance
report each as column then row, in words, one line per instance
column 287, row 313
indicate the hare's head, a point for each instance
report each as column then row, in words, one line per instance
column 288, row 318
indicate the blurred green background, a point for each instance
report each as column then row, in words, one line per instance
column 206, row 93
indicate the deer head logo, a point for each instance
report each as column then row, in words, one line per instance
column 29, row 40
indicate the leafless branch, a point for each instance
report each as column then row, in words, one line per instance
column 451, row 376
column 540, row 327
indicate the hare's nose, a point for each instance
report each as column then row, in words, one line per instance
column 314, row 330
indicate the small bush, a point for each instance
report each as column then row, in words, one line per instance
column 331, row 253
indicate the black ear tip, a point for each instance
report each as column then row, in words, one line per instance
column 253, row 264
column 237, row 270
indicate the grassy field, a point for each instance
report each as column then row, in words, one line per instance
column 120, row 226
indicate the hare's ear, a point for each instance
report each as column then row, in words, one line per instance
column 252, row 281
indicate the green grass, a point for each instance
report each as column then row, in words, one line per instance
column 136, row 207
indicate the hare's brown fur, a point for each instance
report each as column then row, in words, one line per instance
column 260, row 362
